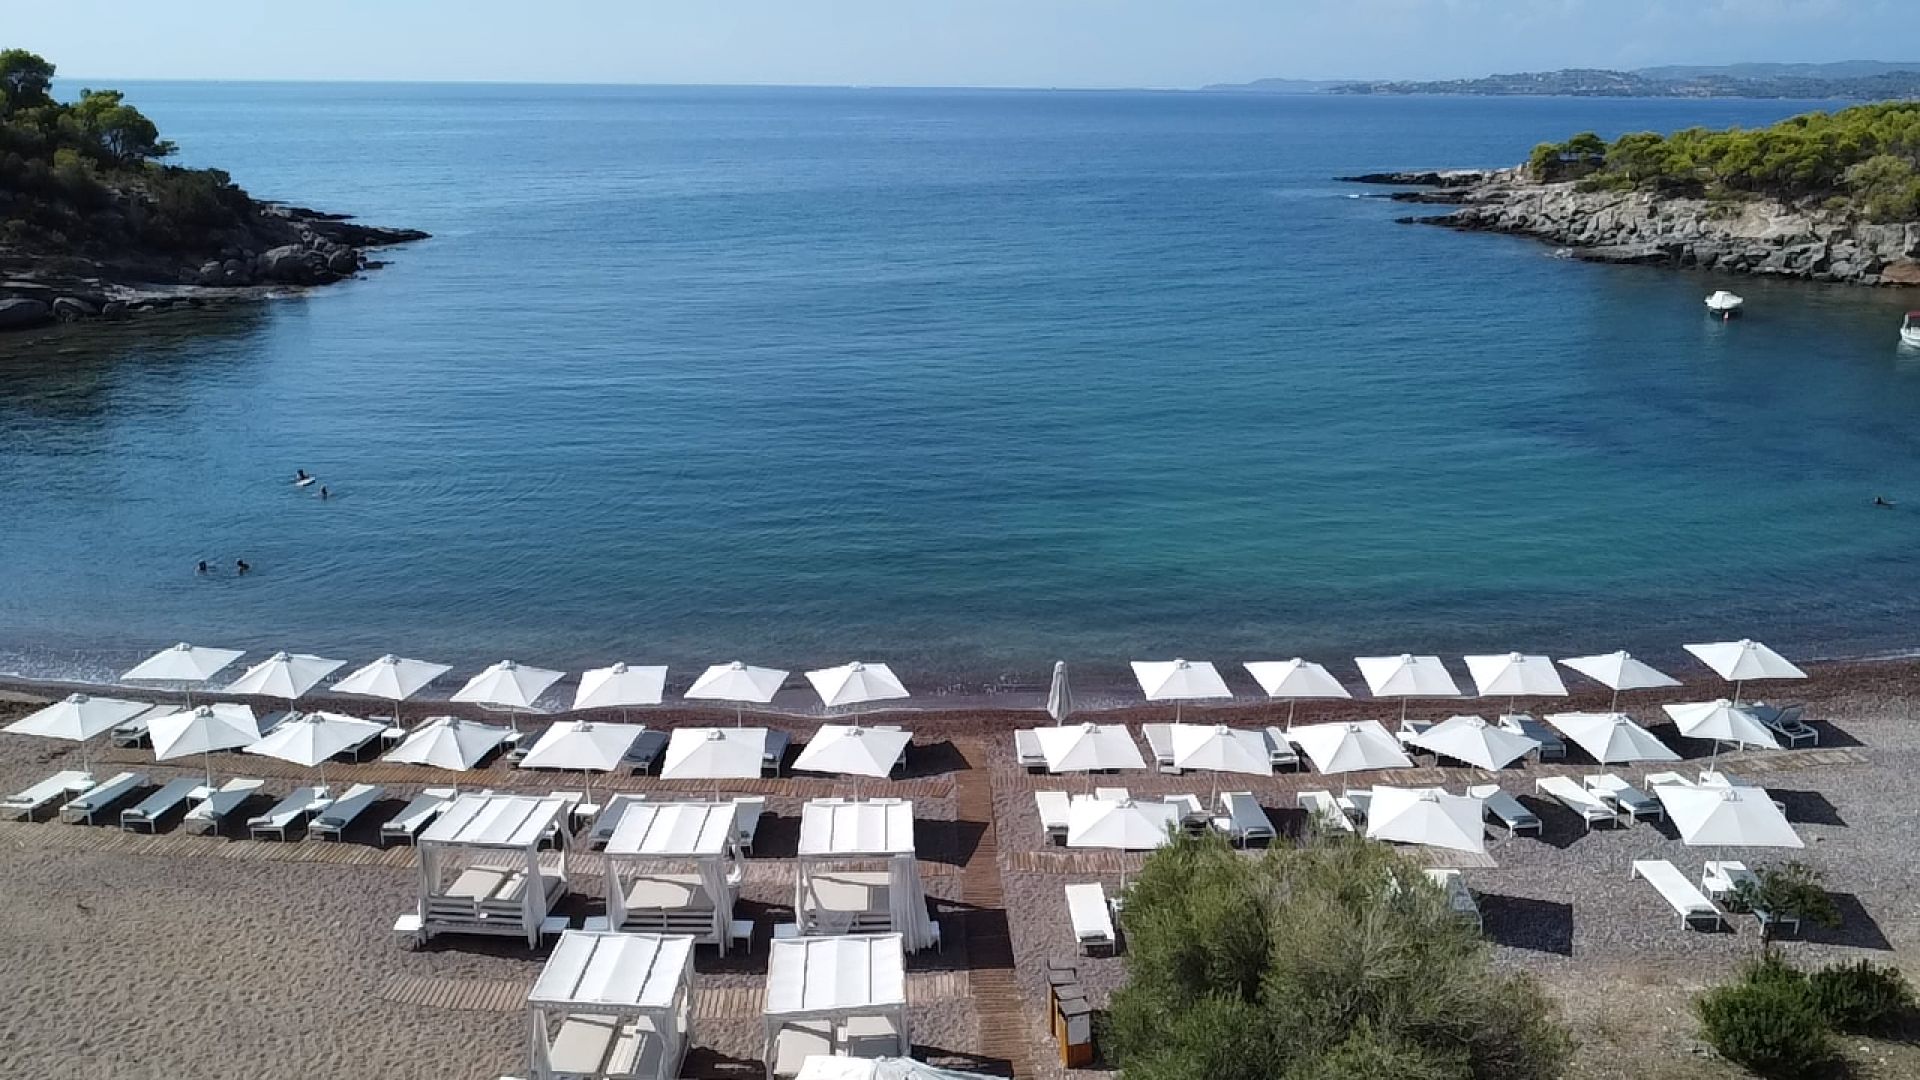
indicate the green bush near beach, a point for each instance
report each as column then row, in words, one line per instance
column 1779, row 1021
column 1334, row 958
column 1868, row 155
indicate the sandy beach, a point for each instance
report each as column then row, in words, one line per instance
column 172, row 955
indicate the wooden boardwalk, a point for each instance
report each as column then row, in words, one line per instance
column 999, row 1008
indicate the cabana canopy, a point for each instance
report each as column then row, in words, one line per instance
column 835, row 979
column 828, row 900
column 643, row 896
column 503, row 886
column 624, row 1003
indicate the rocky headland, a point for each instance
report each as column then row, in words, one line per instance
column 1740, row 236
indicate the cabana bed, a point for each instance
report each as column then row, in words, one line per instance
column 835, row 995
column 674, row 867
column 612, row 1006
column 834, row 895
column 482, row 870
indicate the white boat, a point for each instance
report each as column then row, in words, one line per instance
column 1910, row 329
column 1724, row 303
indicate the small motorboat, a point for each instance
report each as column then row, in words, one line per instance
column 1724, row 304
column 1910, row 329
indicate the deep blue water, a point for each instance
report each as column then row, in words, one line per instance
column 960, row 380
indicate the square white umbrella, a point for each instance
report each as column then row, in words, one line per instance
column 1221, row 749
column 742, row 684
column 1427, row 816
column 1122, row 824
column 583, row 744
column 1619, row 671
column 311, row 738
column 855, row 683
column 448, row 742
column 182, row 663
column 77, row 718
column 1744, row 661
column 1059, row 694
column 1406, row 676
column 1472, row 740
column 849, row 750
column 1727, row 817
column 394, row 678
column 1294, row 680
column 1515, row 675
column 202, row 730
column 1350, row 746
column 714, row 754
column 509, row 685
column 1179, row 681
column 1089, row 748
column 1721, row 721
column 1612, row 737
column 620, row 686
column 285, row 675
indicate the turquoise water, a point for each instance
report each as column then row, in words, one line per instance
column 960, row 380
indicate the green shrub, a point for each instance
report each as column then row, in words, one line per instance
column 1769, row 1026
column 1859, row 998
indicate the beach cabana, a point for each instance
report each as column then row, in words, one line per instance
column 482, row 870
column 611, row 1006
column 843, row 996
column 833, row 894
column 1350, row 746
column 674, row 868
column 1612, row 737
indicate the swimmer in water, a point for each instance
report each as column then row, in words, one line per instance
column 202, row 568
column 323, row 492
column 299, row 475
column 240, row 566
column 1881, row 500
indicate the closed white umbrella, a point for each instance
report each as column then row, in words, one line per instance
column 77, row 718
column 448, row 742
column 714, row 754
column 855, row 684
column 620, row 686
column 183, row 663
column 1744, row 661
column 510, row 686
column 1515, row 675
column 1406, row 676
column 1089, row 748
column 1059, row 695
column 1427, row 816
column 584, row 745
column 1619, row 671
column 1122, row 824
column 1612, row 737
column 739, row 683
column 1179, row 680
column 849, row 750
column 285, row 675
column 1721, row 721
column 394, row 678
column 1294, row 680
column 1350, row 746
column 203, row 730
column 1472, row 740
column 311, row 738
column 1727, row 817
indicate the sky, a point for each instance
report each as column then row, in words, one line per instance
column 1033, row 43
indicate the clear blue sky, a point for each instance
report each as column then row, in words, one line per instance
column 934, row 42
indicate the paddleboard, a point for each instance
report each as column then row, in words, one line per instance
column 304, row 483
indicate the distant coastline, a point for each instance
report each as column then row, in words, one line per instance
column 1860, row 80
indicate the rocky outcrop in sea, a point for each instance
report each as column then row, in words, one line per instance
column 1756, row 236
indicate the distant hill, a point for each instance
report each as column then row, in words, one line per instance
column 1860, row 80
column 1844, row 69
column 1282, row 86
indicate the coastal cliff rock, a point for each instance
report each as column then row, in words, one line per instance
column 1747, row 236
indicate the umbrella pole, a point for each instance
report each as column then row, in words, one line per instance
column 207, row 756
column 1614, row 705
column 1290, row 704
column 738, row 710
column 1736, row 692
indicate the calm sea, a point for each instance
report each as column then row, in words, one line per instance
column 965, row 381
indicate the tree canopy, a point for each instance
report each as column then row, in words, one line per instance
column 1333, row 959
column 1868, row 156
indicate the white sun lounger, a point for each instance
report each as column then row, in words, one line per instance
column 747, row 812
column 1242, row 819
column 1280, row 750
column 1551, row 745
column 414, row 816
column 1657, row 780
column 288, row 812
column 213, row 809
column 1459, row 897
column 1625, row 798
column 154, row 808
column 133, row 733
column 101, row 796
column 1786, row 722
column 333, row 822
column 1679, row 893
column 1054, row 807
column 1506, row 809
column 1026, row 750
column 1589, row 806
column 47, row 792
column 1092, row 920
column 1160, row 741
column 1112, row 794
column 1325, row 810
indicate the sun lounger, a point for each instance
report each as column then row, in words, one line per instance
column 1279, row 750
column 1459, row 897
column 215, row 805
column 1625, row 798
column 1112, row 794
column 775, row 758
column 132, row 734
column 1193, row 814
column 1026, row 751
column 333, row 822
column 99, row 797
column 1160, row 741
column 1356, row 804
column 47, row 792
column 1242, row 819
column 414, row 816
column 1723, row 879
column 1551, row 745
column 1589, row 806
column 1092, row 921
column 747, row 811
column 288, row 812
column 1679, row 893
column 156, row 807
column 609, row 819
column 1053, row 807
column 1656, row 780
column 1506, row 809
column 1787, row 723
column 1325, row 810
column 645, row 752
column 1410, row 730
